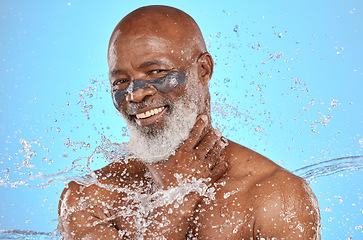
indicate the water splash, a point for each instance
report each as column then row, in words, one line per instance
column 330, row 167
column 163, row 197
column 79, row 170
column 26, row 234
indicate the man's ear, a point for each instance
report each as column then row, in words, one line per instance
column 205, row 67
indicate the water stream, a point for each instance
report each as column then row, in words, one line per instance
column 330, row 167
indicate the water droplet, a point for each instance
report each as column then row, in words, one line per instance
column 334, row 103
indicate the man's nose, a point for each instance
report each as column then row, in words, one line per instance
column 140, row 94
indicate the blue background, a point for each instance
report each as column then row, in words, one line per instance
column 287, row 83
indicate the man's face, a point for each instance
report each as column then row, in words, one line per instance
column 152, row 89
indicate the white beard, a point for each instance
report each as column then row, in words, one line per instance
column 152, row 146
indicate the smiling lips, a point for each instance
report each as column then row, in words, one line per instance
column 149, row 113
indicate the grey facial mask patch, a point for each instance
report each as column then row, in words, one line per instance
column 169, row 83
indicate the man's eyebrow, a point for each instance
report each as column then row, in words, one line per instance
column 116, row 71
column 142, row 65
column 150, row 63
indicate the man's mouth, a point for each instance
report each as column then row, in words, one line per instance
column 150, row 116
column 149, row 113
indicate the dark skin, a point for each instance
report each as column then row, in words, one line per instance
column 253, row 197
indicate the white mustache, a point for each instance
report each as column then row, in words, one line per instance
column 132, row 108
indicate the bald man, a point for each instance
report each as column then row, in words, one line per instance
column 184, row 179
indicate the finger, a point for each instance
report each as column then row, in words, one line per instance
column 196, row 132
column 217, row 153
column 208, row 143
column 218, row 171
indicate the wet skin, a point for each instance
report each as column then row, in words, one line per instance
column 253, row 197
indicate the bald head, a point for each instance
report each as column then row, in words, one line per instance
column 170, row 24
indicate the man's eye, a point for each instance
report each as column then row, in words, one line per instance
column 156, row 71
column 120, row 81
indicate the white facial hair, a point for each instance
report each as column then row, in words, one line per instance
column 153, row 146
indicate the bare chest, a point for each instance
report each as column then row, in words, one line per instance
column 227, row 215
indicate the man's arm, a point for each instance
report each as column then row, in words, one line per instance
column 80, row 214
column 287, row 209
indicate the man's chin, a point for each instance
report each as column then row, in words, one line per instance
column 145, row 131
column 156, row 143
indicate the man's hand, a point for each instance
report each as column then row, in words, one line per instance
column 199, row 157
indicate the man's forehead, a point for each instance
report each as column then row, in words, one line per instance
column 143, row 58
column 153, row 43
column 142, row 48
column 154, row 40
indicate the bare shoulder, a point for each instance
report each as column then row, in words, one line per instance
column 114, row 174
column 86, row 209
column 284, row 206
column 105, row 180
column 81, row 213
column 244, row 162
